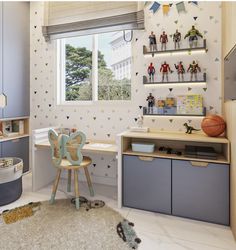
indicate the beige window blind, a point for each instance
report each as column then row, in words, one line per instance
column 64, row 19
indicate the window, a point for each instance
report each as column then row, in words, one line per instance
column 88, row 68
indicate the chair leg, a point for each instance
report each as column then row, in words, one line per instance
column 55, row 185
column 90, row 186
column 69, row 181
column 76, row 182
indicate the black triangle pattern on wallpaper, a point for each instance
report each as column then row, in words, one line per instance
column 105, row 121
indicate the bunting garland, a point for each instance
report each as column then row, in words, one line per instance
column 165, row 9
column 180, row 7
column 155, row 6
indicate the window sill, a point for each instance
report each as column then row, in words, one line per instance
column 96, row 103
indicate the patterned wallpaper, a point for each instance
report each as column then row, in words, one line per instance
column 101, row 121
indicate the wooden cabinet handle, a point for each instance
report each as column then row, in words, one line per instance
column 199, row 164
column 145, row 158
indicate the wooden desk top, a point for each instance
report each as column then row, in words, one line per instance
column 89, row 147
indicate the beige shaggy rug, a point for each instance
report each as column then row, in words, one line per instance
column 61, row 226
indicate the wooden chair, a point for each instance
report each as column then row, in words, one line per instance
column 66, row 154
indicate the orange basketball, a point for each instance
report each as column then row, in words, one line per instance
column 213, row 125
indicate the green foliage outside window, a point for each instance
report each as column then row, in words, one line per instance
column 79, row 77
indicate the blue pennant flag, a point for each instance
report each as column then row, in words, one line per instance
column 155, row 7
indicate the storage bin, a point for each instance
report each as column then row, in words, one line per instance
column 143, row 147
column 11, row 170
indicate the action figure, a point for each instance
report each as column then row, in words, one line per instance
column 163, row 40
column 165, row 69
column 151, row 71
column 194, row 69
column 152, row 42
column 176, row 38
column 193, row 35
column 180, row 70
column 151, row 100
column 189, row 129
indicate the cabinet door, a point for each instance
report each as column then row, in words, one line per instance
column 16, row 48
column 17, row 148
column 147, row 184
column 201, row 192
column 1, row 110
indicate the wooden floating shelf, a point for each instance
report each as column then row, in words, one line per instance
column 175, row 51
column 158, row 154
column 146, row 82
column 179, row 115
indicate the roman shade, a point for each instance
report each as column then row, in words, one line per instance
column 65, row 19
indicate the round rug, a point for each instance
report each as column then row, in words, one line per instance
column 61, row 226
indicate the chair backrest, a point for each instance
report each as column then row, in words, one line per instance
column 64, row 146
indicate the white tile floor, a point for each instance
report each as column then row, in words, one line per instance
column 157, row 231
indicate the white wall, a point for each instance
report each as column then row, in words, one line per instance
column 103, row 121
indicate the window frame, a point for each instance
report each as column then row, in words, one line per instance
column 60, row 68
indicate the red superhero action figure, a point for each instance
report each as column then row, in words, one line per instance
column 194, row 69
column 165, row 69
column 151, row 71
column 163, row 40
column 180, row 70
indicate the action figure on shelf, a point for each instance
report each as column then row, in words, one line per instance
column 151, row 100
column 165, row 69
column 152, row 42
column 180, row 70
column 163, row 40
column 193, row 69
column 193, row 35
column 177, row 39
column 151, row 71
column 189, row 129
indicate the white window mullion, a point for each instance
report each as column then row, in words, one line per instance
column 95, row 68
column 62, row 70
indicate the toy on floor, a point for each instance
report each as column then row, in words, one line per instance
column 89, row 204
column 127, row 234
column 177, row 39
column 19, row 213
column 190, row 129
column 152, row 42
column 193, row 35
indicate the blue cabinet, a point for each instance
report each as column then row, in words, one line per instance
column 147, row 183
column 17, row 148
column 201, row 191
column 15, row 58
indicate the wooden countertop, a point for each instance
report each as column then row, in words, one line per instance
column 89, row 147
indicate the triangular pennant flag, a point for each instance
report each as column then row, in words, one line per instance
column 176, row 21
column 194, row 2
column 165, row 9
column 170, row 4
column 155, row 6
column 180, row 7
column 195, row 18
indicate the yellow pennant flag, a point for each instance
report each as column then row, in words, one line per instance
column 165, row 9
